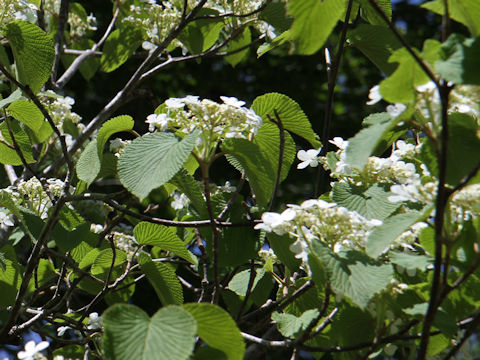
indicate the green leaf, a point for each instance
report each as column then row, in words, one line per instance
column 17, row 94
column 281, row 246
column 33, row 52
column 363, row 144
column 313, row 22
column 104, row 260
column 10, row 277
column 376, row 44
column 187, row 184
column 463, row 147
column 28, row 113
column 353, row 274
column 3, row 263
column 292, row 116
column 352, row 326
column 458, row 63
column 163, row 237
column 400, row 86
column 268, row 140
column 152, row 160
column 163, row 280
column 371, row 202
column 131, row 334
column 217, row 329
column 383, row 236
column 119, row 46
column 291, row 325
column 275, row 13
column 90, row 162
column 202, row 34
column 8, row 155
column 466, row 12
column 371, row 15
column 240, row 41
column 258, row 170
column 88, row 165
column 410, row 261
column 239, row 283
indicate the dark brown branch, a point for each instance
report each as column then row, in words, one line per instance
column 332, row 73
column 440, row 207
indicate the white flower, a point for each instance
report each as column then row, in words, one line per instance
column 179, row 201
column 429, row 86
column 276, row 222
column 62, row 329
column 339, row 142
column 374, row 95
column 31, row 349
column 175, row 103
column 5, row 219
column 94, row 321
column 232, row 101
column 396, row 110
column 159, row 121
column 309, row 157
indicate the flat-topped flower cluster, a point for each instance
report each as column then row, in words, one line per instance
column 334, row 225
column 217, row 122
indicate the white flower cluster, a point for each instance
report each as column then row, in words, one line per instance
column 180, row 201
column 216, row 121
column 78, row 25
column 117, row 146
column 31, row 195
column 11, row 10
column 463, row 99
column 156, row 20
column 334, row 225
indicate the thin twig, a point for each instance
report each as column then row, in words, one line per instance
column 32, row 263
column 425, row 67
column 131, row 84
column 85, row 55
column 232, row 14
column 332, row 72
column 60, row 38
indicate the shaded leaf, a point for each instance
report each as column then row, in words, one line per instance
column 217, row 329
column 131, row 334
column 383, row 236
column 353, row 274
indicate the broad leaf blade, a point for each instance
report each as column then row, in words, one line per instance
column 152, row 160
column 119, row 46
column 383, row 236
column 163, row 280
column 292, row 116
column 313, row 22
column 353, row 274
column 131, row 334
column 163, row 237
column 376, row 44
column 33, row 52
column 217, row 329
